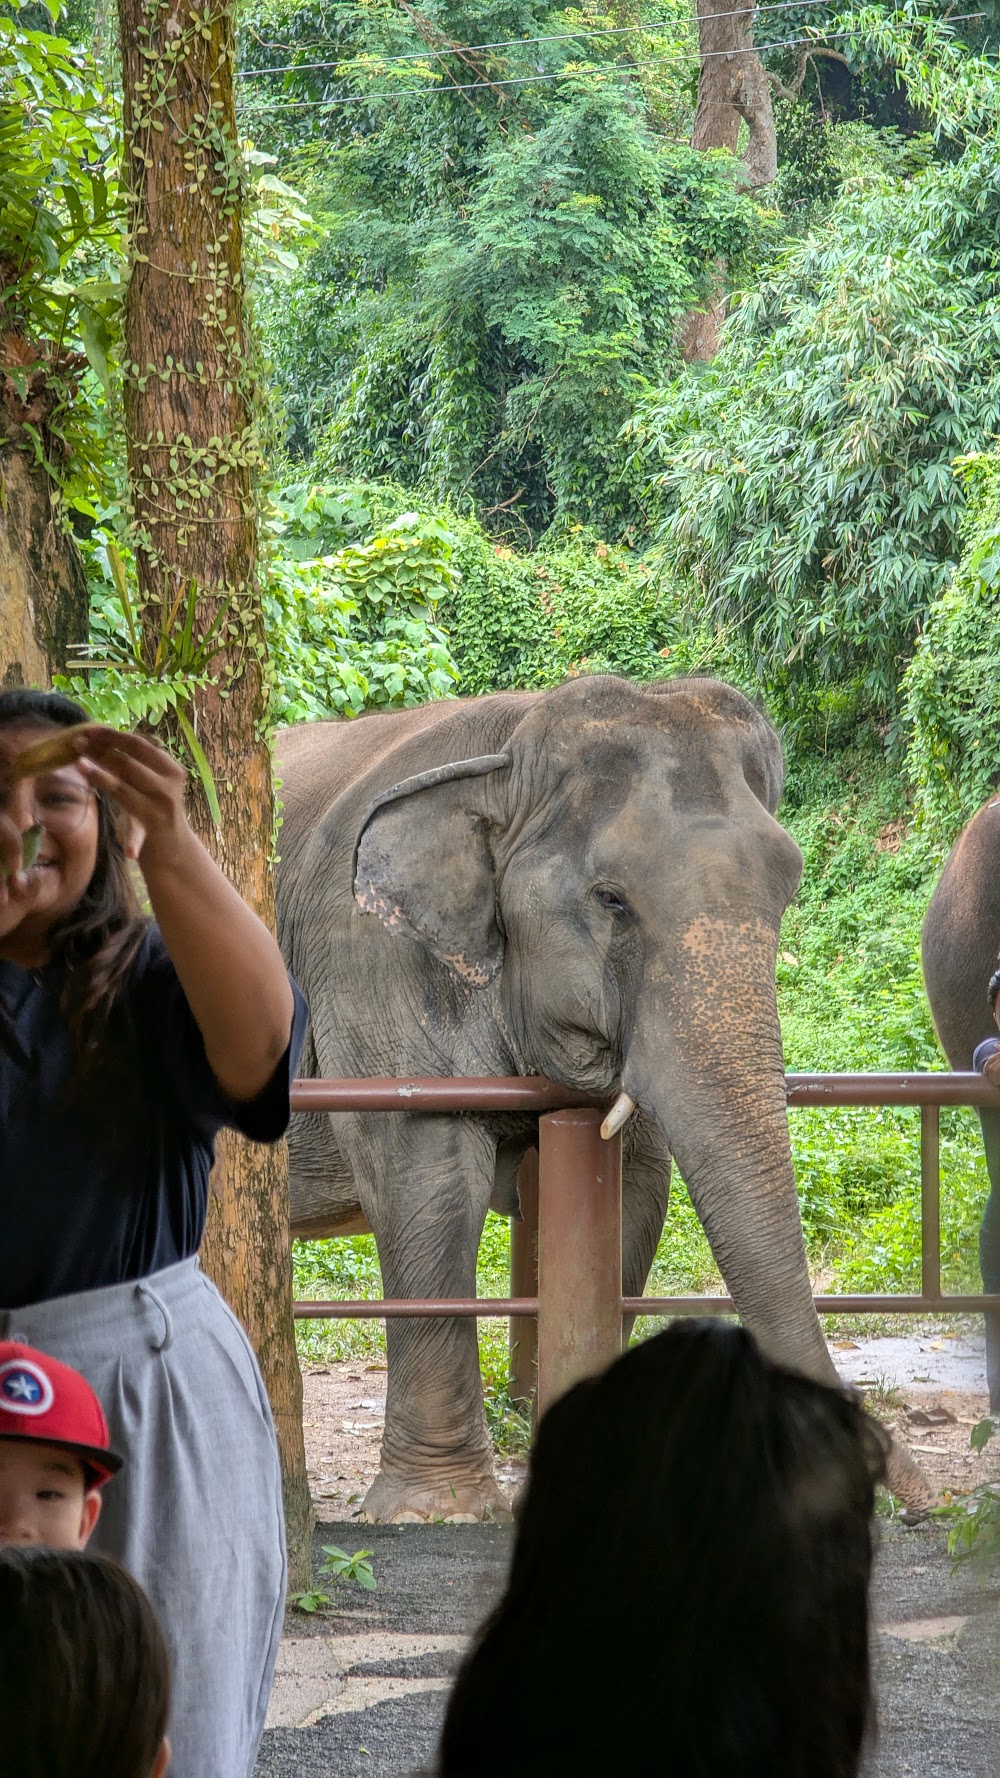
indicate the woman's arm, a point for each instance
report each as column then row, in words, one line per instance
column 228, row 964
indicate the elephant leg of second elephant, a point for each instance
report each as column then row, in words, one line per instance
column 989, row 1252
column 425, row 1185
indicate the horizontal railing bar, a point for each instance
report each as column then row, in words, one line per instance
column 825, row 1305
column 515, row 1092
column 533, row 1092
column 483, row 1307
column 422, row 1308
column 890, row 1089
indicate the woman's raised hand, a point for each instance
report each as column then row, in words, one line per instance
column 146, row 782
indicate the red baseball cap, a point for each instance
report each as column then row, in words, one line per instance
column 50, row 1404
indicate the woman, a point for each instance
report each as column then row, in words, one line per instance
column 84, row 1673
column 126, row 1044
column 689, row 1588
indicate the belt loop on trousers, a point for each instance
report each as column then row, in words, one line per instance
column 143, row 1289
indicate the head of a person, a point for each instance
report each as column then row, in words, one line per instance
column 689, row 1584
column 84, row 1672
column 54, row 1452
column 85, row 912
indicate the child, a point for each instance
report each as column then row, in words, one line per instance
column 725, row 1634
column 54, row 1456
column 84, row 1673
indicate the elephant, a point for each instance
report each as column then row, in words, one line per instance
column 959, row 943
column 585, row 883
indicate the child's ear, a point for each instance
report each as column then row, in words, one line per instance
column 92, row 1502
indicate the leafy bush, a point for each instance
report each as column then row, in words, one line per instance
column 951, row 686
column 354, row 629
column 806, row 476
column 349, row 605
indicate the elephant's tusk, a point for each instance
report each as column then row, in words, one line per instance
column 619, row 1114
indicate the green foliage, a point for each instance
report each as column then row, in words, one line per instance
column 349, row 608
column 575, row 605
column 806, row 475
column 337, row 1568
column 503, row 270
column 60, row 232
column 951, row 685
column 973, row 1521
column 351, row 623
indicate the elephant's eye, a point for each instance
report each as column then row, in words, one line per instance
column 609, row 899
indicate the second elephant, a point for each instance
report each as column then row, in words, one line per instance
column 585, row 883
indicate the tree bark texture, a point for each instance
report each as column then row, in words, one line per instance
column 192, row 456
column 43, row 590
column 733, row 89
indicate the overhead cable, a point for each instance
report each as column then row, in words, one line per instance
column 487, row 85
column 468, row 49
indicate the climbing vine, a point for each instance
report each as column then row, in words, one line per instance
column 190, row 397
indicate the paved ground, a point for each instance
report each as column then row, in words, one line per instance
column 362, row 1696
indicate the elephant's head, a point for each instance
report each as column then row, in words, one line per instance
column 615, row 877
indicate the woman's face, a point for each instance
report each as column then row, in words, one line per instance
column 65, row 807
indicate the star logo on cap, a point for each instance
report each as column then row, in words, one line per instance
column 24, row 1388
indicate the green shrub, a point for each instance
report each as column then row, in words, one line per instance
column 805, row 476
column 952, row 684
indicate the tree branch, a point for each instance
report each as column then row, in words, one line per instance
column 792, row 90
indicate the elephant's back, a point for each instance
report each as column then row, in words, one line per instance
column 961, row 937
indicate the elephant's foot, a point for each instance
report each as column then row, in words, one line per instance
column 406, row 1500
column 909, row 1484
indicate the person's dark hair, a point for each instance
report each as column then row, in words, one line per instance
column 97, row 942
column 689, row 1586
column 84, row 1671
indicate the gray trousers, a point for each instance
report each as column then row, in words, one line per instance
column 196, row 1512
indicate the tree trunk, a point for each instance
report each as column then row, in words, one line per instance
column 189, row 406
column 732, row 89
column 43, row 592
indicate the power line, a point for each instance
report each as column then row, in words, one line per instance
column 555, row 37
column 562, row 74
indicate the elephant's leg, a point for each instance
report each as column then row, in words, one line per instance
column 425, row 1185
column 645, row 1196
column 989, row 1252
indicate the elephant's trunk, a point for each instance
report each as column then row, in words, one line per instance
column 705, row 1060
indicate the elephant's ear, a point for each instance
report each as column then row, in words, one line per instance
column 422, row 863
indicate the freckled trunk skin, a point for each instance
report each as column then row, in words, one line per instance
column 185, row 399
column 717, row 1088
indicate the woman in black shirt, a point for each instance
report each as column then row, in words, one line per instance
column 125, row 1045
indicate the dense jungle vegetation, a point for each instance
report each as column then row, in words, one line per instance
column 476, row 236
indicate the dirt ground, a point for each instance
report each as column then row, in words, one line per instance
column 345, row 1410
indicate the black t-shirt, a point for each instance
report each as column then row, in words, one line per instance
column 99, row 1193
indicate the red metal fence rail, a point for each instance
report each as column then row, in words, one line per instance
column 578, row 1234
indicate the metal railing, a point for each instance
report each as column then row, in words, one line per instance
column 567, row 1248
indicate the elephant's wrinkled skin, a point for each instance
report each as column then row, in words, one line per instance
column 585, row 883
column 960, row 940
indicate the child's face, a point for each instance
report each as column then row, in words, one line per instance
column 45, row 1496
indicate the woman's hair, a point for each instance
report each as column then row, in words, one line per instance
column 97, row 941
column 689, row 1587
column 84, row 1671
